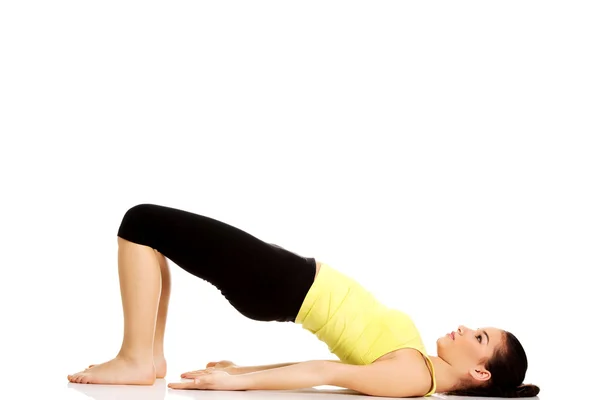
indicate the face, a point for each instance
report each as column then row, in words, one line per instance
column 467, row 349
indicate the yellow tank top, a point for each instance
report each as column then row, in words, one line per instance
column 356, row 327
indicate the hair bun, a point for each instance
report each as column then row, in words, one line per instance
column 527, row 390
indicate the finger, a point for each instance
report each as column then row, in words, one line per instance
column 184, row 385
column 193, row 375
column 197, row 371
column 211, row 364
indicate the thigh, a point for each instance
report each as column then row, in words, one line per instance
column 275, row 290
column 261, row 280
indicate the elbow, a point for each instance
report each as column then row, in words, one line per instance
column 330, row 371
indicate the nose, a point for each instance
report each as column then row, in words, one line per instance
column 462, row 329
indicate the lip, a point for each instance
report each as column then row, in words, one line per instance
column 451, row 335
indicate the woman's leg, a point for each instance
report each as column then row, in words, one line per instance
column 262, row 281
column 140, row 283
column 160, row 364
column 161, row 321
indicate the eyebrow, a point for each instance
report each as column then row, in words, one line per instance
column 488, row 338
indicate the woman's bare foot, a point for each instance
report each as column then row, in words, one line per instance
column 160, row 365
column 118, row 371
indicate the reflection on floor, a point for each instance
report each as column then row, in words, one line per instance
column 160, row 391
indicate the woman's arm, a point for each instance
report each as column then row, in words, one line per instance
column 405, row 377
column 238, row 370
column 389, row 378
column 296, row 376
column 233, row 369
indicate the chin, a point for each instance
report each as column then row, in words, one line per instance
column 444, row 338
column 440, row 341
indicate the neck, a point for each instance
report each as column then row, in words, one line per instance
column 446, row 377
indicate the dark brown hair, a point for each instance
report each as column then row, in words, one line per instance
column 507, row 368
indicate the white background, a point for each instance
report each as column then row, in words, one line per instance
column 442, row 153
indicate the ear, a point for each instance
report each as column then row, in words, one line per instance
column 479, row 373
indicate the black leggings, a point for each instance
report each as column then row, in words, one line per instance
column 262, row 281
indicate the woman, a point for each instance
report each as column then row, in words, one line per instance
column 380, row 349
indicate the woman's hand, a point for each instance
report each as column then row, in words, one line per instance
column 211, row 379
column 225, row 365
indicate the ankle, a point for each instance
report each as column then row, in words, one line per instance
column 133, row 357
column 159, row 354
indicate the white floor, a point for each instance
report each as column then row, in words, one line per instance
column 49, row 386
column 160, row 392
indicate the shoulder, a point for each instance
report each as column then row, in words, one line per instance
column 404, row 375
column 412, row 362
column 415, row 359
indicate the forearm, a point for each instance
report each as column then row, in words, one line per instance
column 296, row 376
column 256, row 368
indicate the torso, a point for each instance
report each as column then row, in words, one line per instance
column 403, row 357
column 391, row 354
column 387, row 356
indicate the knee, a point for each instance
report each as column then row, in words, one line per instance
column 136, row 217
column 138, row 212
